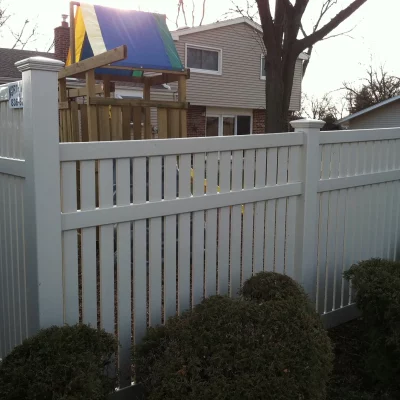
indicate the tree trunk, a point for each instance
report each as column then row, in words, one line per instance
column 278, row 90
column 274, row 89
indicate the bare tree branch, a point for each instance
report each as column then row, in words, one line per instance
column 50, row 47
column 318, row 35
column 345, row 33
column 20, row 40
column 204, row 12
column 193, row 9
column 183, row 11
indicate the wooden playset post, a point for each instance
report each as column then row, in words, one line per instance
column 91, row 110
column 182, row 98
column 147, row 121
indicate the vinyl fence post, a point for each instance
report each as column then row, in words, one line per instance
column 42, row 210
column 307, row 216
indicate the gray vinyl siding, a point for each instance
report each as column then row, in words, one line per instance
column 240, row 85
column 384, row 117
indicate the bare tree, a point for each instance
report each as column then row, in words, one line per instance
column 378, row 85
column 22, row 36
column 181, row 7
column 281, row 30
column 323, row 108
column 326, row 6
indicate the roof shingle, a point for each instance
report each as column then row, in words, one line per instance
column 8, row 57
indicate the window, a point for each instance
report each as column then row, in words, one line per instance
column 204, row 60
column 243, row 125
column 212, row 127
column 228, row 125
column 262, row 72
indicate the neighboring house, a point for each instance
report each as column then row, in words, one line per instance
column 385, row 114
column 226, row 89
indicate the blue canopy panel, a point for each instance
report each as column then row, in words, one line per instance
column 146, row 36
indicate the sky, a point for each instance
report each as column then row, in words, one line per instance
column 374, row 37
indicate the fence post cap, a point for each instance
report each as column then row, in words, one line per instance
column 307, row 124
column 39, row 63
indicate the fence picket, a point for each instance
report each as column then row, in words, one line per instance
column 341, row 229
column 353, row 209
column 3, row 266
column 248, row 217
column 70, row 244
column 332, row 235
column 88, row 243
column 392, row 205
column 124, row 272
column 224, row 229
column 281, row 212
column 388, row 224
column 5, row 263
column 236, row 223
column 19, row 222
column 270, row 216
column 184, row 236
column 367, row 227
column 388, row 201
column 211, row 228
column 291, row 216
column 323, row 232
column 106, row 245
column 259, row 212
column 9, row 224
column 155, row 188
column 198, row 231
column 170, row 240
column 139, row 254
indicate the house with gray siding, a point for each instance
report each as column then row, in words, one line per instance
column 385, row 114
column 226, row 89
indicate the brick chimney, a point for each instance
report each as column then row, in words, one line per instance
column 61, row 40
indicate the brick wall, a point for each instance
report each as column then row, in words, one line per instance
column 196, row 121
column 259, row 121
column 61, row 41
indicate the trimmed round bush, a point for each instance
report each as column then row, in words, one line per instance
column 377, row 284
column 66, row 362
column 270, row 286
column 235, row 349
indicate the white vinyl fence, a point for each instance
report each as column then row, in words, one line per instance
column 136, row 236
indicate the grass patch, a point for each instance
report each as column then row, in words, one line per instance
column 348, row 382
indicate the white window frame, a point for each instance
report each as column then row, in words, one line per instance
column 205, row 71
column 221, row 122
column 262, row 77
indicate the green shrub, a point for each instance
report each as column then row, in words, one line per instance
column 377, row 284
column 235, row 349
column 60, row 363
column 268, row 286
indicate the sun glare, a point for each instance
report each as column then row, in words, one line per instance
column 121, row 4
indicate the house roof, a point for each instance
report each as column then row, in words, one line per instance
column 8, row 57
column 220, row 24
column 369, row 109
